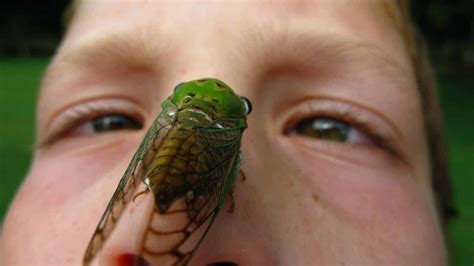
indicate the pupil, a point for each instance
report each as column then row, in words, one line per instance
column 113, row 122
column 324, row 128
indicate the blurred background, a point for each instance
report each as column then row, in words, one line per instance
column 30, row 31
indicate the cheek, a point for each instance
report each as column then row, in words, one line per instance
column 378, row 209
column 45, row 224
column 57, row 177
column 61, row 199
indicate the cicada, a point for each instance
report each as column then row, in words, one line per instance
column 188, row 159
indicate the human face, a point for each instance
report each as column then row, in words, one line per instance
column 306, row 200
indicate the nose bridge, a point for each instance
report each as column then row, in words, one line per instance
column 204, row 55
column 197, row 60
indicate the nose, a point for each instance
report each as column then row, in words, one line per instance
column 235, row 238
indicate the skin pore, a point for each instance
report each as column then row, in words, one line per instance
column 305, row 200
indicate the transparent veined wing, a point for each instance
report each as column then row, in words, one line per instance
column 212, row 154
column 125, row 190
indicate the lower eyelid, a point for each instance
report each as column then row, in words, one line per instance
column 360, row 155
column 359, row 137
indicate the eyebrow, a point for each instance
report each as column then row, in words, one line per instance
column 104, row 49
column 115, row 47
column 304, row 49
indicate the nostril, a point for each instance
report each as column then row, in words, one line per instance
column 222, row 263
column 129, row 259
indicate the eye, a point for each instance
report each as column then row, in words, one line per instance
column 331, row 129
column 248, row 105
column 105, row 123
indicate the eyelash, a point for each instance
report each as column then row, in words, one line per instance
column 347, row 113
column 77, row 115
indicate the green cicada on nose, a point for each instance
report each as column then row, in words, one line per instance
column 188, row 160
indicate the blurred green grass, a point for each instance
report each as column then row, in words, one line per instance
column 457, row 94
column 19, row 80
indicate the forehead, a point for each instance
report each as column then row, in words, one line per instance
column 387, row 8
column 151, row 29
column 377, row 18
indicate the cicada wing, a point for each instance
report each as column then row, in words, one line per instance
column 127, row 185
column 174, row 236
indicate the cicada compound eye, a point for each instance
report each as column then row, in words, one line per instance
column 248, row 105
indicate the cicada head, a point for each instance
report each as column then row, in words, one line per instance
column 211, row 96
